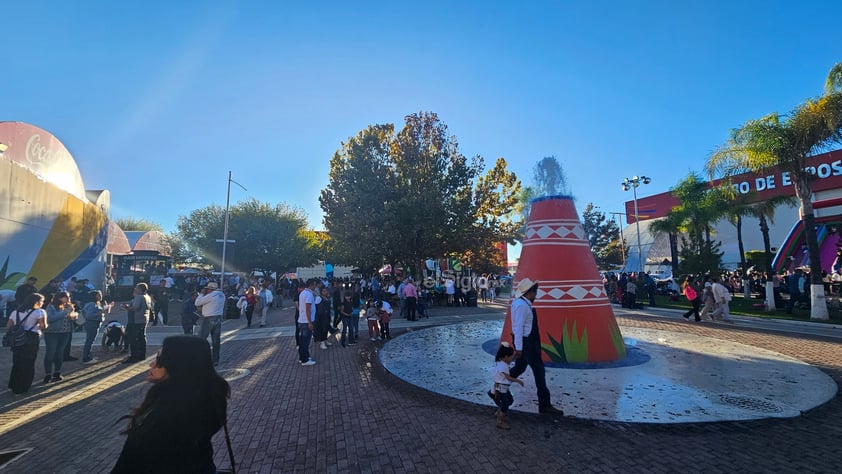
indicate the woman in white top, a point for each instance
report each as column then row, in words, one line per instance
column 33, row 319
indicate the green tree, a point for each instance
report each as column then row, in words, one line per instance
column 603, row 237
column 787, row 142
column 691, row 221
column 178, row 249
column 402, row 197
column 354, row 202
column 494, row 197
column 267, row 238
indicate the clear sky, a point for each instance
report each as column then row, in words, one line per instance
column 158, row 100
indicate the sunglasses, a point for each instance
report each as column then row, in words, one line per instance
column 158, row 360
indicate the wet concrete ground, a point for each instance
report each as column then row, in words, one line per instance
column 673, row 378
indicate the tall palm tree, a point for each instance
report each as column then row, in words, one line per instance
column 699, row 207
column 764, row 211
column 736, row 207
column 787, row 142
column 672, row 225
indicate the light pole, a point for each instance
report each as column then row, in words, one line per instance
column 225, row 230
column 632, row 183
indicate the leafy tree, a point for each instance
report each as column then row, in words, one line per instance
column 787, row 142
column 494, row 196
column 699, row 256
column 129, row 224
column 699, row 207
column 603, row 237
column 268, row 238
column 402, row 197
column 354, row 202
column 178, row 249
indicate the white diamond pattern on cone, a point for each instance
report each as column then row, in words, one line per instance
column 570, row 291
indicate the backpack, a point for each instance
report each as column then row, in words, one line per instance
column 17, row 336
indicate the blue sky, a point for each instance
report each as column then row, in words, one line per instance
column 157, row 101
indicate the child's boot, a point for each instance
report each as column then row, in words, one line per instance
column 501, row 421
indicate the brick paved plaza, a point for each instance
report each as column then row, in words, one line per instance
column 348, row 414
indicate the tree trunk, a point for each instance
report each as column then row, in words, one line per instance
column 674, row 252
column 818, row 304
column 767, row 246
column 743, row 267
column 770, row 296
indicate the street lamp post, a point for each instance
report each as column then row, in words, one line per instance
column 633, row 183
column 225, row 240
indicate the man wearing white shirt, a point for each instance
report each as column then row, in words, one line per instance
column 722, row 297
column 527, row 342
column 306, row 316
column 212, row 304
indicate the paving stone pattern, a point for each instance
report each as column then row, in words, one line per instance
column 347, row 414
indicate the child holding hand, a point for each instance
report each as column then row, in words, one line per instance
column 502, row 380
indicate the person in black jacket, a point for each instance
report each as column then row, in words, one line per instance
column 187, row 404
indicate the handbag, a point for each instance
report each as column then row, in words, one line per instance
column 17, row 336
column 690, row 293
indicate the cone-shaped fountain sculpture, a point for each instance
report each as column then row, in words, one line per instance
column 574, row 314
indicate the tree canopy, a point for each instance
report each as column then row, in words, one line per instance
column 406, row 196
column 603, row 237
column 268, row 238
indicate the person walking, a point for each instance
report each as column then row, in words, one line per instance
column 690, row 289
column 501, row 392
column 722, row 297
column 527, row 341
column 212, row 304
column 33, row 320
column 138, row 313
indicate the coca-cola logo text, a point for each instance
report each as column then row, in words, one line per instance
column 41, row 155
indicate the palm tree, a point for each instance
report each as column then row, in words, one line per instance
column 787, row 142
column 672, row 226
column 698, row 208
column 764, row 211
column 736, row 206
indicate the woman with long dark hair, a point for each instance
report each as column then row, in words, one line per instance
column 32, row 319
column 171, row 431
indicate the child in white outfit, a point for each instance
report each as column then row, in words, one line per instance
column 501, row 392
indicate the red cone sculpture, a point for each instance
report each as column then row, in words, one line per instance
column 575, row 317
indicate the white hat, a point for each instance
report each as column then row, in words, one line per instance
column 525, row 285
column 211, row 286
column 707, row 284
